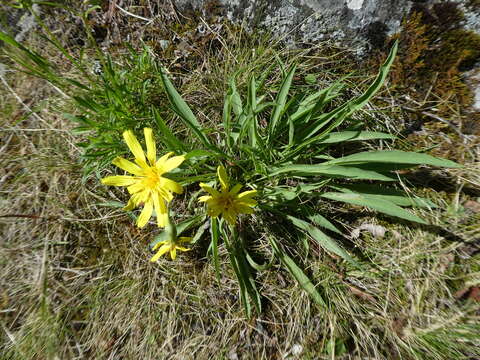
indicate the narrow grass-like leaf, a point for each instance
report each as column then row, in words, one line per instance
column 394, row 157
column 323, row 240
column 298, row 274
column 380, row 205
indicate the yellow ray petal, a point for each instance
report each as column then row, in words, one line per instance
column 247, row 194
column 209, row 189
column 134, row 147
column 171, row 185
column 160, row 162
column 172, row 163
column 222, row 176
column 230, row 216
column 182, row 248
column 145, row 214
column 135, row 188
column 236, row 189
column 132, row 203
column 173, row 253
column 164, row 249
column 127, row 166
column 204, row 198
column 119, row 180
column 157, row 245
column 244, row 209
column 214, row 212
column 151, row 149
column 160, row 209
column 248, row 202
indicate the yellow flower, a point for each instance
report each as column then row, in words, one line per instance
column 147, row 186
column 170, row 246
column 228, row 203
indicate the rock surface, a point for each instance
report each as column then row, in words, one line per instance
column 361, row 23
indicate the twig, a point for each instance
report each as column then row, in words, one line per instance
column 438, row 118
column 133, row 15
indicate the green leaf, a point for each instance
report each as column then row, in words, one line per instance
column 323, row 222
column 331, row 171
column 336, row 137
column 394, row 156
column 280, row 101
column 199, row 154
column 259, row 267
column 381, row 205
column 344, row 111
column 182, row 109
column 235, row 98
column 323, row 240
column 393, row 195
column 298, row 274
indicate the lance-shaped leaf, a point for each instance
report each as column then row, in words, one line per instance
column 297, row 273
column 397, row 197
column 381, row 205
column 323, row 240
column 182, row 109
column 394, row 157
column 332, row 171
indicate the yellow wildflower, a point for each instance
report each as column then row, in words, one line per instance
column 172, row 243
column 147, row 186
column 228, row 203
column 170, row 246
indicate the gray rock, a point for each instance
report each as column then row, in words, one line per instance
column 358, row 23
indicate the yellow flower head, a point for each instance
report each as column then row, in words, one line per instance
column 147, row 185
column 228, row 203
column 170, row 246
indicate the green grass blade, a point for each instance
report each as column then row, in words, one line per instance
column 380, row 205
column 323, row 240
column 331, row 171
column 298, row 274
column 394, row 157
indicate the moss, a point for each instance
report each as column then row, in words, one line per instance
column 434, row 51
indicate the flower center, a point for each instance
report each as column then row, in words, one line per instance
column 226, row 201
column 152, row 177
